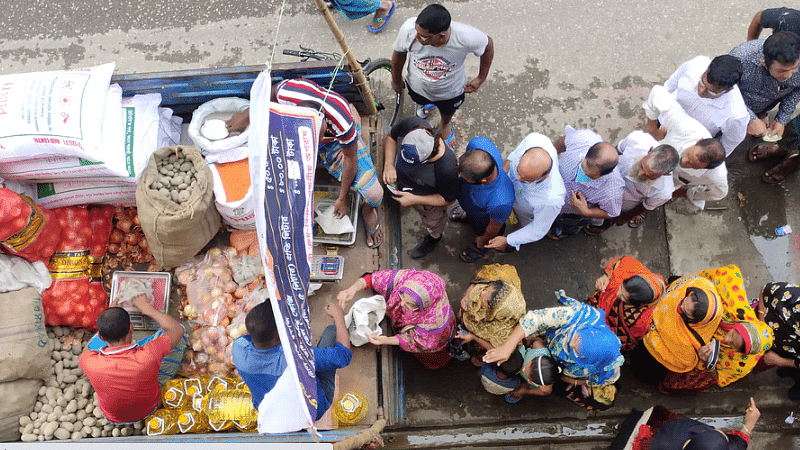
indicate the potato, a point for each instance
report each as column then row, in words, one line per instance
column 76, row 435
column 104, row 433
column 50, row 428
column 66, row 354
column 80, row 415
column 69, row 379
column 38, row 406
column 25, row 420
column 104, row 422
column 139, row 425
column 47, row 408
column 68, row 426
column 60, row 378
column 77, row 348
column 30, row 437
column 62, row 434
column 58, row 409
column 62, row 402
column 77, row 371
column 127, row 431
column 89, row 408
column 69, row 393
column 53, row 416
column 96, row 432
column 86, row 431
column 97, row 413
column 71, row 417
column 115, row 432
column 27, row 429
column 58, row 331
column 82, row 402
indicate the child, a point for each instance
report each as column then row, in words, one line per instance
column 530, row 371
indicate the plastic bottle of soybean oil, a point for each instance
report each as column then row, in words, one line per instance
column 229, row 404
column 163, row 421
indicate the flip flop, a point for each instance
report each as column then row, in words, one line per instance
column 764, row 150
column 371, row 232
column 511, row 399
column 383, row 21
column 449, row 140
column 458, row 214
column 473, row 253
column 633, row 224
column 777, row 175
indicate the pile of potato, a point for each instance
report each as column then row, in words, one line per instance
column 176, row 177
column 67, row 404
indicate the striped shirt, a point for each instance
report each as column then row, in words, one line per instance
column 761, row 92
column 341, row 126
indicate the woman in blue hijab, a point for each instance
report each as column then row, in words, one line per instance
column 579, row 339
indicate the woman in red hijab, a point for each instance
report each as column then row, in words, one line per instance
column 627, row 293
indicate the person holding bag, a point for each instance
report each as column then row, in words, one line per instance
column 418, row 309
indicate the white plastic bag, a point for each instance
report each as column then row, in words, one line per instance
column 364, row 318
column 82, row 191
column 232, row 148
column 17, row 273
column 169, row 128
column 326, row 220
column 239, row 214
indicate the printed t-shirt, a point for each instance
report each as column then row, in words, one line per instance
column 437, row 73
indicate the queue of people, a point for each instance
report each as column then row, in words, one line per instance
column 682, row 335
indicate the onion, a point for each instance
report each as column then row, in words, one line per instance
column 136, row 221
column 131, row 238
column 125, row 224
column 143, row 243
column 116, row 237
column 113, row 248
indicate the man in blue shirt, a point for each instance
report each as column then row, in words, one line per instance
column 260, row 360
column 486, row 197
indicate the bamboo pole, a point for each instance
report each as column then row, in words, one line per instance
column 355, row 67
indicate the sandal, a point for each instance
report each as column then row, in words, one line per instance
column 458, row 214
column 381, row 21
column 511, row 399
column 372, row 232
column 778, row 174
column 765, row 150
column 634, row 224
column 592, row 230
column 473, row 253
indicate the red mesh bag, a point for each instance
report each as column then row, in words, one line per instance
column 26, row 229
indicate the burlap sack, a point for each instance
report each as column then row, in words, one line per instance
column 24, row 345
column 175, row 232
column 17, row 398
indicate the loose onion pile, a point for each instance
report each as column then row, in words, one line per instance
column 127, row 245
column 176, row 177
column 67, row 405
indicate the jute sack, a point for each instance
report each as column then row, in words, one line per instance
column 17, row 398
column 24, row 345
column 176, row 231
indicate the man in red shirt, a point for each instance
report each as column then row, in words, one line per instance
column 125, row 373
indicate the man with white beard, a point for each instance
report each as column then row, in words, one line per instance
column 647, row 169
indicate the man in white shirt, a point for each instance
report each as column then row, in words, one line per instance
column 435, row 49
column 647, row 169
column 539, row 191
column 707, row 91
column 701, row 175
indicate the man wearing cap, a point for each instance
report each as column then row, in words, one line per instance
column 486, row 196
column 539, row 191
column 424, row 174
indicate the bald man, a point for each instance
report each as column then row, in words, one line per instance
column 593, row 187
column 539, row 191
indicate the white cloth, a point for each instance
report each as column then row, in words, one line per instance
column 16, row 273
column 437, row 73
column 536, row 204
column 682, row 133
column 651, row 194
column 726, row 113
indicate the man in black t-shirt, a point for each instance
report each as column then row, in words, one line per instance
column 422, row 172
column 778, row 19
